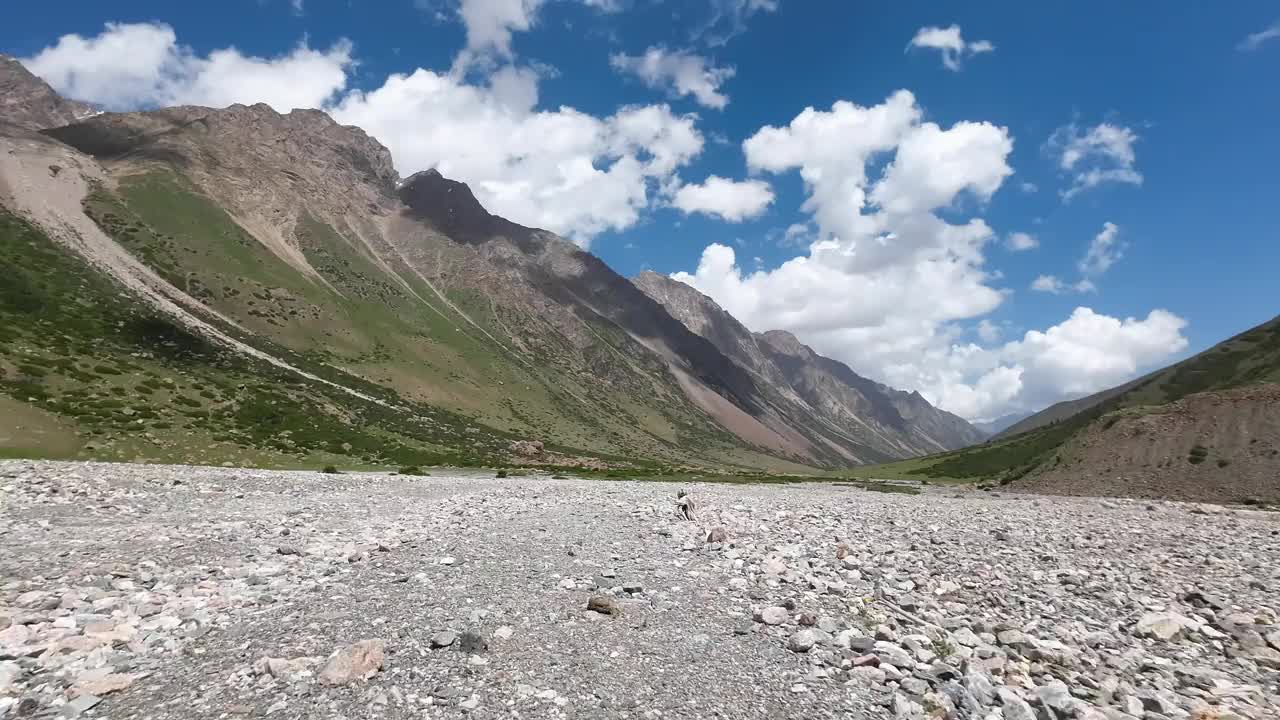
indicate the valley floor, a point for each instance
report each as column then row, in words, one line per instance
column 133, row 591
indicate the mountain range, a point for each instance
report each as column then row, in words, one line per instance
column 243, row 286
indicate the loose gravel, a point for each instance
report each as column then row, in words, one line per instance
column 133, row 591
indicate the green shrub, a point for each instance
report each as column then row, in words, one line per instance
column 331, row 470
column 411, row 470
column 502, row 473
column 1197, row 455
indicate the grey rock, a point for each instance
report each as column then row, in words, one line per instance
column 358, row 661
column 965, row 703
column 78, row 706
column 443, row 639
column 1162, row 626
column 965, row 637
column 911, row 602
column 894, row 655
column 1153, row 702
column 1055, row 697
column 1266, row 657
column 867, row 676
column 803, row 641
column 980, row 686
column 1014, row 707
column 1015, row 639
column 1273, row 639
column 774, row 615
column 914, row 686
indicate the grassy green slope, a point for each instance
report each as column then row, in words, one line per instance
column 1249, row 358
column 84, row 363
column 383, row 327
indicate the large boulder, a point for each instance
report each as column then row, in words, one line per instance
column 359, row 661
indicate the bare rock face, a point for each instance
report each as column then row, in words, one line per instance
column 29, row 102
column 835, row 403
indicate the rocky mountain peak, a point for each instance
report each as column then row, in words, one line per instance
column 698, row 312
column 784, row 342
column 449, row 205
column 249, row 138
column 305, row 126
column 825, row 393
column 29, row 102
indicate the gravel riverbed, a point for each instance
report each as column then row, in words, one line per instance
column 131, row 591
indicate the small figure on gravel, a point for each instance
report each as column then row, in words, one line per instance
column 685, row 506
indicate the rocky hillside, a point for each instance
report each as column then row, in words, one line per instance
column 836, row 400
column 1204, row 429
column 29, row 102
column 288, row 242
column 1211, row 446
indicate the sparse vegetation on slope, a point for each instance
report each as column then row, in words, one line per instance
column 136, row 385
column 1116, row 441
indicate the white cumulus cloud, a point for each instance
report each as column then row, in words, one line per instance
column 1056, row 286
column 679, row 73
column 1091, row 157
column 988, row 331
column 1104, row 251
column 1020, row 241
column 730, row 200
column 563, row 170
column 570, row 172
column 950, row 43
column 490, row 25
column 1090, row 351
column 128, row 66
column 887, row 281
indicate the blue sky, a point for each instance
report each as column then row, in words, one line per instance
column 1177, row 108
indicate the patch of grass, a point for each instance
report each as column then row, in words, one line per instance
column 412, row 470
column 330, row 470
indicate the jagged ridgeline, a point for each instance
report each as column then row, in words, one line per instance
column 244, row 286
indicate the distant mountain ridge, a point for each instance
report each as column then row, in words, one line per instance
column 410, row 324
column 1000, row 424
column 842, row 402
